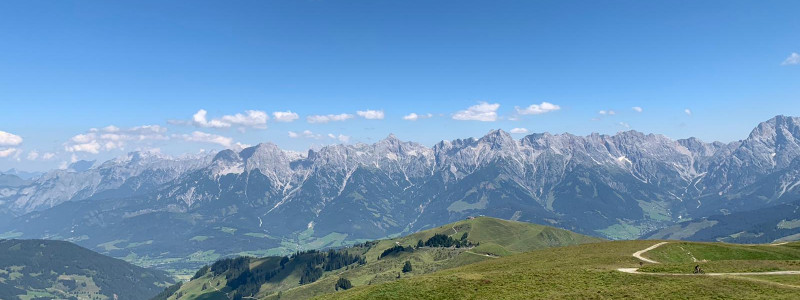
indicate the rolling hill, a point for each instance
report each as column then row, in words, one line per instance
column 44, row 269
column 453, row 245
column 593, row 272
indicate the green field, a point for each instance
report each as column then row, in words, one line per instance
column 517, row 260
column 681, row 257
column 495, row 238
column 590, row 272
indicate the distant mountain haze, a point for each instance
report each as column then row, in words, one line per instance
column 266, row 199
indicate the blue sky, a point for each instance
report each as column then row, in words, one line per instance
column 69, row 66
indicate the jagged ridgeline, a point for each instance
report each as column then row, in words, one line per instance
column 179, row 213
column 42, row 269
column 315, row 272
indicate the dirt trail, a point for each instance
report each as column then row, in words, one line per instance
column 487, row 255
column 638, row 254
column 636, row 271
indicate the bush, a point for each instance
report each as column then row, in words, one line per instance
column 343, row 284
column 407, row 267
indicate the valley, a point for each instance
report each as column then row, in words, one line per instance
column 263, row 200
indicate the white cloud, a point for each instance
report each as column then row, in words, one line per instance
column 414, row 116
column 48, row 156
column 371, row 114
column 623, row 124
column 90, row 147
column 112, row 137
column 304, row 134
column 482, row 111
column 33, row 155
column 9, row 139
column 343, row 138
column 793, row 59
column 688, row 112
column 8, row 152
column 249, row 119
column 285, row 116
column 538, row 109
column 328, row 118
column 203, row 137
column 519, row 130
column 308, row 134
column 199, row 119
column 607, row 112
column 637, row 108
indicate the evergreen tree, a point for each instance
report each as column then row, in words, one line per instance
column 407, row 267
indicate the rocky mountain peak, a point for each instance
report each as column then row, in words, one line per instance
column 498, row 139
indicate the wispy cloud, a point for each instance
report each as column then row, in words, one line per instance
column 623, row 124
column 304, row 134
column 33, row 155
column 311, row 135
column 482, row 111
column 112, row 137
column 414, row 116
column 793, row 59
column 688, row 112
column 519, row 130
column 371, row 114
column 537, row 109
column 637, row 109
column 204, row 137
column 328, row 118
column 607, row 112
column 9, row 152
column 341, row 138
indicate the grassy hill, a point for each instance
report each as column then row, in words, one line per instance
column 43, row 269
column 681, row 257
column 486, row 239
column 590, row 272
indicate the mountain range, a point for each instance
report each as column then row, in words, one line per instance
column 147, row 207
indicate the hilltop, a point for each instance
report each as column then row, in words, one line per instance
column 593, row 271
column 453, row 245
column 43, row 269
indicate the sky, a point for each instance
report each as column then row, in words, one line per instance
column 91, row 80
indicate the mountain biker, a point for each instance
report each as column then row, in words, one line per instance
column 697, row 269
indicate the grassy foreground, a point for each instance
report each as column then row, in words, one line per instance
column 681, row 257
column 589, row 272
column 496, row 238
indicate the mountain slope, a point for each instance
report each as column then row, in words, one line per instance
column 264, row 200
column 590, row 272
column 380, row 261
column 773, row 224
column 43, row 268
